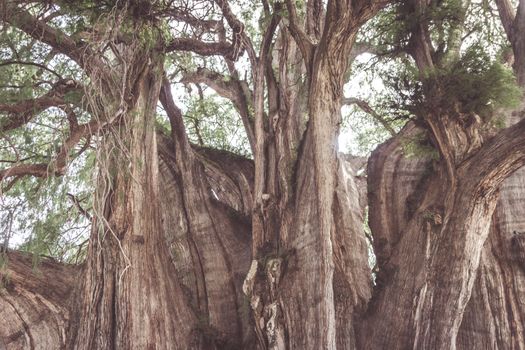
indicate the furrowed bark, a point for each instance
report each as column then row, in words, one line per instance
column 35, row 302
column 414, row 236
column 130, row 296
column 47, row 294
column 299, row 301
column 218, row 248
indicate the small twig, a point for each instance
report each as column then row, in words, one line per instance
column 365, row 107
column 82, row 211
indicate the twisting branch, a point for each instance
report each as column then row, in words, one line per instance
column 79, row 207
column 239, row 36
column 231, row 88
column 23, row 111
column 58, row 40
column 301, row 39
column 365, row 107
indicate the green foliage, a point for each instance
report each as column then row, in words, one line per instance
column 38, row 215
column 475, row 84
column 419, row 147
column 213, row 122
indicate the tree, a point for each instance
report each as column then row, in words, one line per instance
column 198, row 248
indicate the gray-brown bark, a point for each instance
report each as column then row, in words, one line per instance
column 35, row 302
column 193, row 249
column 406, row 221
column 129, row 297
column 40, row 297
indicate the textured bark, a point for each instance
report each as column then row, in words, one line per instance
column 406, row 221
column 40, row 297
column 35, row 302
column 199, row 249
column 211, row 243
column 130, row 298
column 303, row 205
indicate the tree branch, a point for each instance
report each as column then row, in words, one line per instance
column 79, row 207
column 6, row 63
column 231, row 88
column 514, row 24
column 200, row 47
column 58, row 165
column 39, row 30
column 365, row 107
column 23, row 111
column 178, row 131
column 238, row 30
column 497, row 159
column 301, row 39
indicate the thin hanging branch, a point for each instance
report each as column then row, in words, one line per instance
column 365, row 107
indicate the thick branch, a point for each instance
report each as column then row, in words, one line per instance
column 301, row 39
column 77, row 51
column 269, row 32
column 174, row 113
column 23, row 111
column 498, row 158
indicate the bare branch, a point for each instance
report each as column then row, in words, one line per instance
column 301, row 39
column 269, row 32
column 238, row 30
column 79, row 207
column 178, row 131
column 365, row 107
column 231, row 88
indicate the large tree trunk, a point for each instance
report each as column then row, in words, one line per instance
column 428, row 252
column 208, row 226
column 130, row 297
column 309, row 277
column 35, row 302
column 46, row 291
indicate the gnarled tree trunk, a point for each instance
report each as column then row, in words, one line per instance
column 35, row 302
column 471, row 286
